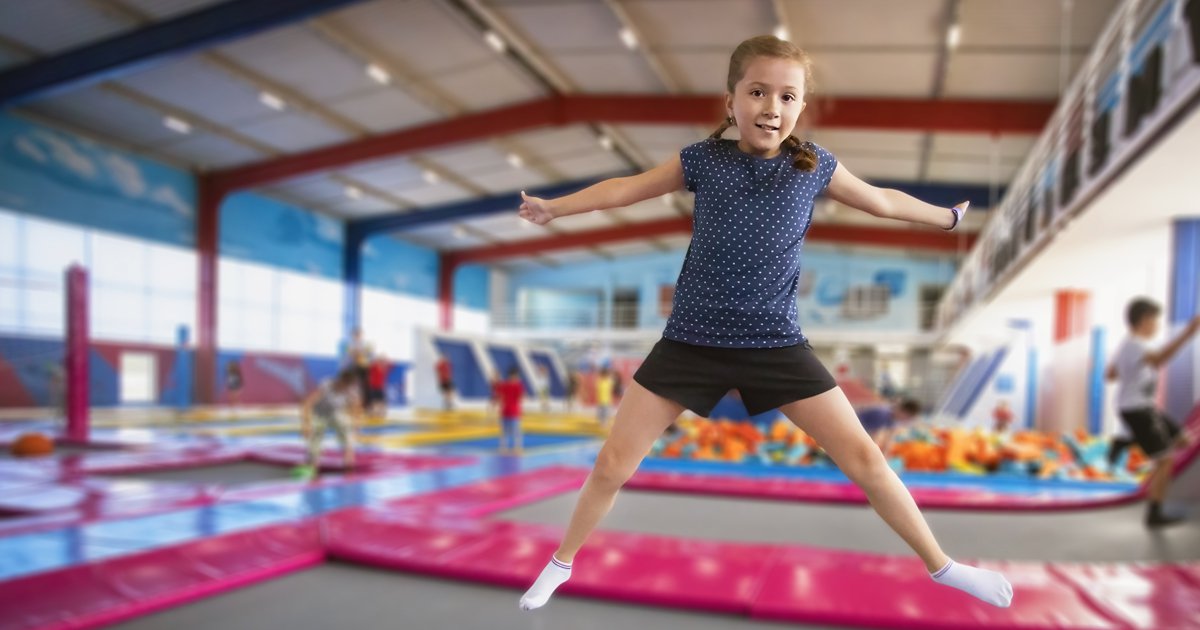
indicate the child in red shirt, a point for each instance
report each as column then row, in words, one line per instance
column 508, row 394
column 377, row 375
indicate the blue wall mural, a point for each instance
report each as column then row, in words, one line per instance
column 61, row 176
column 394, row 265
column 263, row 230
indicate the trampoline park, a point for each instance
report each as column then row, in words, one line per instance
column 214, row 213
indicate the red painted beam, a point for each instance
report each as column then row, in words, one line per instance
column 994, row 117
column 913, row 239
column 997, row 117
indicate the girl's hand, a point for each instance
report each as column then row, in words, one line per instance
column 535, row 210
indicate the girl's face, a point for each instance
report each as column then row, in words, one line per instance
column 766, row 104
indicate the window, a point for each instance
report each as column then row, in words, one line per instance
column 139, row 290
column 274, row 310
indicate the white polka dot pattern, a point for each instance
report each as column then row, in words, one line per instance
column 737, row 287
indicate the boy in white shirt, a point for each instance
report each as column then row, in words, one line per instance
column 1135, row 367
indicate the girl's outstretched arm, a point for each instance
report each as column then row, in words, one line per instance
column 890, row 204
column 617, row 192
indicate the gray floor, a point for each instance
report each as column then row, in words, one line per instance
column 224, row 474
column 349, row 597
column 1115, row 534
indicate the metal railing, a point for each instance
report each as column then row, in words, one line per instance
column 1143, row 72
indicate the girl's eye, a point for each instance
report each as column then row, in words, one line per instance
column 789, row 97
column 755, row 92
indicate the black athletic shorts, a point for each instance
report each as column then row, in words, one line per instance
column 767, row 378
column 1151, row 429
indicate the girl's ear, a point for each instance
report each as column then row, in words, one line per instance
column 729, row 104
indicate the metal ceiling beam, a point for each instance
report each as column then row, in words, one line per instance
column 108, row 58
column 364, row 228
column 1017, row 117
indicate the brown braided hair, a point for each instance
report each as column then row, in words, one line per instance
column 805, row 158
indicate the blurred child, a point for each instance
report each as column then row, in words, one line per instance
column 234, row 382
column 1136, row 367
column 1003, row 416
column 572, row 389
column 884, row 422
column 377, row 375
column 445, row 376
column 336, row 405
column 544, row 388
column 508, row 394
column 605, row 389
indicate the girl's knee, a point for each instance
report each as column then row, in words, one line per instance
column 611, row 469
column 863, row 461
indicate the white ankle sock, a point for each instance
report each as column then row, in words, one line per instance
column 988, row 586
column 555, row 573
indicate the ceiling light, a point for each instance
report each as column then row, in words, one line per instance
column 377, row 73
column 354, row 192
column 781, row 32
column 430, row 177
column 272, row 101
column 515, row 160
column 606, row 142
column 953, row 36
column 177, row 124
column 494, row 41
column 628, row 38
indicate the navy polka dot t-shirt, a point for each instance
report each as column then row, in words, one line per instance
column 737, row 287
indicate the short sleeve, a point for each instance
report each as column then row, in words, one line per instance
column 826, row 164
column 1129, row 358
column 693, row 157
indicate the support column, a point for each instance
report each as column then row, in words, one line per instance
column 1072, row 314
column 77, row 376
column 208, row 230
column 1182, row 371
column 352, row 279
column 1064, row 399
column 1095, row 420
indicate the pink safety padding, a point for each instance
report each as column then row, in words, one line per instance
column 694, row 574
column 1158, row 596
column 680, row 572
column 813, row 585
column 370, row 461
column 780, row 489
column 125, row 463
column 1190, row 572
column 79, row 496
column 502, row 493
column 108, row 591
